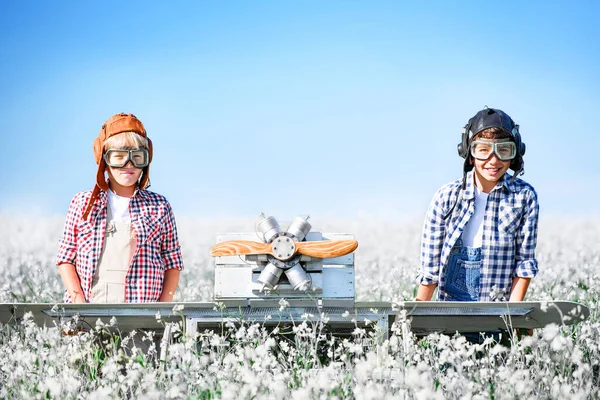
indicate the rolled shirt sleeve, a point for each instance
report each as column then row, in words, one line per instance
column 170, row 249
column 526, row 239
column 432, row 240
column 67, row 244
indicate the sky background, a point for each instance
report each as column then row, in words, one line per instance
column 327, row 108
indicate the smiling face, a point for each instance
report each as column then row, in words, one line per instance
column 489, row 172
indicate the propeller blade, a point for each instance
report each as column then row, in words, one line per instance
column 239, row 247
column 317, row 249
column 326, row 248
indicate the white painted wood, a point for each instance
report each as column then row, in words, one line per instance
column 240, row 282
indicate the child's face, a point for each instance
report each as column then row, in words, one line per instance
column 128, row 175
column 491, row 170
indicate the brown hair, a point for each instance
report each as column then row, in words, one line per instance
column 493, row 133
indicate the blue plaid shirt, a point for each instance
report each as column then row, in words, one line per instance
column 508, row 242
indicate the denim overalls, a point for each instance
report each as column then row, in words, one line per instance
column 463, row 273
column 462, row 283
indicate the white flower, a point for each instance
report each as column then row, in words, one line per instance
column 283, row 304
column 178, row 308
column 550, row 332
column 54, row 387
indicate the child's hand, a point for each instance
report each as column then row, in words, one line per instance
column 79, row 298
column 166, row 298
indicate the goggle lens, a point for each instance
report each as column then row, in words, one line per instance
column 505, row 151
column 117, row 158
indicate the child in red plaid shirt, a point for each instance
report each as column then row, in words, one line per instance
column 120, row 242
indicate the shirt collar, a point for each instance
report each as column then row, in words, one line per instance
column 103, row 198
column 509, row 183
column 470, row 187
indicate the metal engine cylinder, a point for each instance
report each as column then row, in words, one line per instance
column 270, row 276
column 298, row 278
column 299, row 228
column 268, row 227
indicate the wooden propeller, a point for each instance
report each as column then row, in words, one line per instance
column 317, row 249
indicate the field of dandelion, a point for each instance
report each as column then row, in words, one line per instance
column 252, row 362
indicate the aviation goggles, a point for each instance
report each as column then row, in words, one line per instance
column 118, row 158
column 505, row 151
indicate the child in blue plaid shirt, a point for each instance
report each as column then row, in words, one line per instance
column 480, row 232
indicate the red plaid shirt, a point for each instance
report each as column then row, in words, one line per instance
column 157, row 243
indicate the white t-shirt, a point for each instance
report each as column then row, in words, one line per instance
column 473, row 231
column 119, row 207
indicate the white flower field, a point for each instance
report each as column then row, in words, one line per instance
column 251, row 362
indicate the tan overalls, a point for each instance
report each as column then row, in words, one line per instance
column 108, row 283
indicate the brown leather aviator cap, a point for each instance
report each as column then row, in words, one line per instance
column 116, row 124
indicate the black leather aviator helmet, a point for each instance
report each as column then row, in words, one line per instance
column 491, row 118
column 484, row 119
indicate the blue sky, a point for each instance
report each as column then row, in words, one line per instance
column 339, row 108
